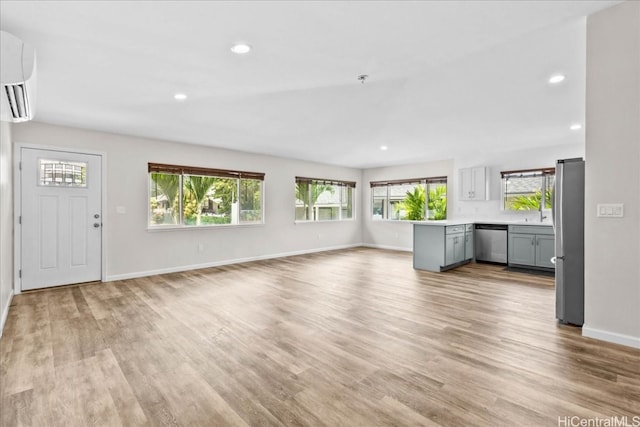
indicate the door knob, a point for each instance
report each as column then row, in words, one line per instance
column 96, row 224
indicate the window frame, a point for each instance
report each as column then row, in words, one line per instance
column 181, row 172
column 387, row 184
column 543, row 173
column 339, row 186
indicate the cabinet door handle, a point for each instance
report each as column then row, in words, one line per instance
column 533, row 241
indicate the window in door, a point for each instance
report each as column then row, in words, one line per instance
column 62, row 173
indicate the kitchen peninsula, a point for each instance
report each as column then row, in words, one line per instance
column 443, row 245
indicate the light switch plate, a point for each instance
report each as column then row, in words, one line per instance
column 610, row 210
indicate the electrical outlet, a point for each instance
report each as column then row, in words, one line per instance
column 610, row 210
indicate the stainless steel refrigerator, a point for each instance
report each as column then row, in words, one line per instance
column 568, row 222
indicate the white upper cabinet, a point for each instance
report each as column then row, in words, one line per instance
column 473, row 184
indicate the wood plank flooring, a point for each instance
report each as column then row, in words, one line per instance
column 342, row 338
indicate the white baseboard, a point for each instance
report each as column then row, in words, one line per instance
column 391, row 248
column 628, row 340
column 5, row 312
column 111, row 278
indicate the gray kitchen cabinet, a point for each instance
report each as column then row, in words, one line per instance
column 522, row 249
column 545, row 250
column 473, row 184
column 531, row 246
column 437, row 247
column 454, row 248
column 468, row 242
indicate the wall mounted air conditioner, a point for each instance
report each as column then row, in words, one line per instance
column 18, row 78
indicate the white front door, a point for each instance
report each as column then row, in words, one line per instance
column 61, row 218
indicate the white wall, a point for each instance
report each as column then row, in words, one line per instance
column 497, row 162
column 612, row 252
column 6, row 222
column 132, row 250
column 398, row 234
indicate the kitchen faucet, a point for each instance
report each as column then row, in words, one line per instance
column 542, row 217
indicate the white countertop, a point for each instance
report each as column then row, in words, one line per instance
column 448, row 222
column 515, row 222
column 444, row 222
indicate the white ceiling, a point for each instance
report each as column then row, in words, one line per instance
column 445, row 76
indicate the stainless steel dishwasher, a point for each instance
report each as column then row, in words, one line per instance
column 491, row 243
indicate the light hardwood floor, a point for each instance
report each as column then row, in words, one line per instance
column 343, row 338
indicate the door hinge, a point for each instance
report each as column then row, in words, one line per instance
column 20, row 219
column 20, row 274
column 19, row 165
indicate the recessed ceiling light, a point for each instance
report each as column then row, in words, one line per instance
column 575, row 126
column 179, row 96
column 556, row 78
column 384, row 147
column 240, row 48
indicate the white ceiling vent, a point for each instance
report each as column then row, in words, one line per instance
column 18, row 78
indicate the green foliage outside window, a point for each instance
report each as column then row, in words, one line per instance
column 524, row 190
column 531, row 202
column 323, row 200
column 437, row 204
column 205, row 200
column 415, row 202
column 168, row 186
column 197, row 189
column 309, row 197
column 410, row 200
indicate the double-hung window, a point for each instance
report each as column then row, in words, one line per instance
column 194, row 196
column 528, row 189
column 324, row 199
column 409, row 199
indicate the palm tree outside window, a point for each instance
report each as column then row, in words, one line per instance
column 324, row 199
column 528, row 189
column 195, row 196
column 410, row 199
